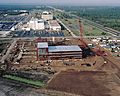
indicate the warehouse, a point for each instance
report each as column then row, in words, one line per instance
column 45, row 52
column 54, row 25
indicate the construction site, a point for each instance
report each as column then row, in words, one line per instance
column 73, row 68
column 66, row 66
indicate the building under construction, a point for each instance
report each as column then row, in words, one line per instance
column 50, row 52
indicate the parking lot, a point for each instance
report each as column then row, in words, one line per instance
column 6, row 26
column 37, row 34
column 13, row 18
column 7, row 23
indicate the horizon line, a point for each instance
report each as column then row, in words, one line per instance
column 60, row 4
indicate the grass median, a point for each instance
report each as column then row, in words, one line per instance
column 24, row 80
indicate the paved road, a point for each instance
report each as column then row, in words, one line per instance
column 66, row 28
column 68, row 37
column 112, row 32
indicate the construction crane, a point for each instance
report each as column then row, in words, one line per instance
column 81, row 33
column 98, row 52
column 81, row 29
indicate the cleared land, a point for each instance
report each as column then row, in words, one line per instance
column 85, row 83
column 89, row 76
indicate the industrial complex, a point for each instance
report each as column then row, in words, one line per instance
column 25, row 24
column 36, row 53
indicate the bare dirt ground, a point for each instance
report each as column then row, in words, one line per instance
column 85, row 83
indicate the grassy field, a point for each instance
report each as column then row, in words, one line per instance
column 90, row 30
column 73, row 25
column 24, row 80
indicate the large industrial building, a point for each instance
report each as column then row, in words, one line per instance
column 47, row 16
column 36, row 24
column 46, row 52
column 54, row 25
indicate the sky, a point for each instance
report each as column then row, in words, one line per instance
column 63, row 2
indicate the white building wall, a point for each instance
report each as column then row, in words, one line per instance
column 37, row 25
column 40, row 26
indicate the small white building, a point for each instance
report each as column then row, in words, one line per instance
column 36, row 24
column 54, row 25
column 47, row 16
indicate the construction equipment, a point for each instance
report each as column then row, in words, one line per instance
column 81, row 29
column 81, row 33
column 98, row 52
